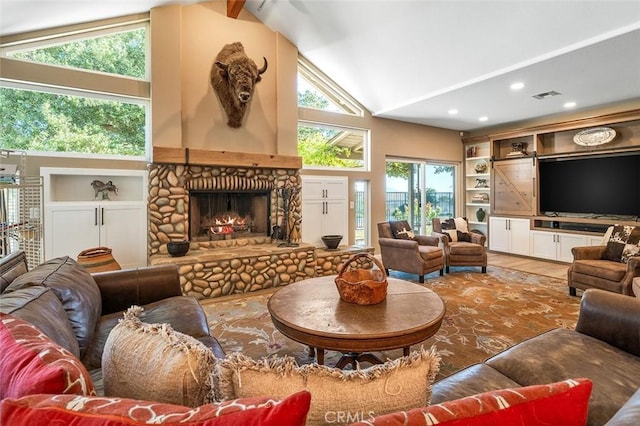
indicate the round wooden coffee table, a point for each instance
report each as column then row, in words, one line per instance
column 311, row 312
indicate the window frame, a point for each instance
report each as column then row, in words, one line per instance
column 62, row 80
column 314, row 117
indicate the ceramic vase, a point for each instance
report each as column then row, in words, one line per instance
column 481, row 214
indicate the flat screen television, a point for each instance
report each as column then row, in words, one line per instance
column 594, row 185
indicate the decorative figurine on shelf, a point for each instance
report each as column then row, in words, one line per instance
column 481, row 167
column 102, row 188
column 481, row 214
column 481, row 183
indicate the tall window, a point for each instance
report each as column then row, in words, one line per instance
column 73, row 117
column 418, row 191
column 323, row 143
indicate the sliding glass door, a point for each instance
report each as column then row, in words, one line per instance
column 419, row 190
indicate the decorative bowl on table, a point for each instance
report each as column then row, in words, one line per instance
column 177, row 248
column 331, row 242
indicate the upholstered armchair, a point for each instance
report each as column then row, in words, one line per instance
column 404, row 251
column 461, row 247
column 592, row 269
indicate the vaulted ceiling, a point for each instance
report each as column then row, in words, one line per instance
column 418, row 61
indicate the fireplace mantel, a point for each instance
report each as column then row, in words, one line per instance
column 203, row 157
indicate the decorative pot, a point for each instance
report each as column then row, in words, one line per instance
column 178, row 248
column 481, row 214
column 331, row 242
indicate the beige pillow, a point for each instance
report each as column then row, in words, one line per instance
column 156, row 363
column 337, row 396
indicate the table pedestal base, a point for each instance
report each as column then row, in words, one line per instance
column 350, row 357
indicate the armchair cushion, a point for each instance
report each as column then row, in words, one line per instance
column 623, row 243
column 606, row 269
column 401, row 230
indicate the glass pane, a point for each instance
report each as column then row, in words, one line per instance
column 419, row 198
column 362, row 212
column 440, row 196
column 310, row 97
column 37, row 121
column 121, row 53
column 323, row 146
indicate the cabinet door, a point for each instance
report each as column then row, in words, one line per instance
column 123, row 229
column 312, row 221
column 498, row 234
column 565, row 242
column 312, row 188
column 335, row 219
column 71, row 228
column 519, row 230
column 543, row 244
column 513, row 183
column 336, row 189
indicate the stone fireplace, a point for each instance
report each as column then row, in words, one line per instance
column 219, row 206
column 242, row 220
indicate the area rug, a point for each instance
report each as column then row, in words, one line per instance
column 486, row 313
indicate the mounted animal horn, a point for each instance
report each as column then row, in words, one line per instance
column 264, row 67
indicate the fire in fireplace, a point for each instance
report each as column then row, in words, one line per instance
column 218, row 215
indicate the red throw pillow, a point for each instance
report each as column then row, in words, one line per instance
column 560, row 404
column 99, row 411
column 32, row 363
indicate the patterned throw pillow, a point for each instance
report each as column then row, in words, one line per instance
column 456, row 229
column 401, row 230
column 563, row 403
column 100, row 411
column 32, row 363
column 623, row 243
column 336, row 394
column 156, row 363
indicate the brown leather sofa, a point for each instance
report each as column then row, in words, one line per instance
column 590, row 269
column 604, row 347
column 78, row 310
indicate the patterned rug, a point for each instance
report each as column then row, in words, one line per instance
column 486, row 313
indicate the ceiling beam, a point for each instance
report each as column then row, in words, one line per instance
column 234, row 7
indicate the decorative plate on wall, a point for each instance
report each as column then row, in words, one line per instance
column 594, row 136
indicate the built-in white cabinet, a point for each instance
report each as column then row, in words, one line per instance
column 76, row 218
column 555, row 245
column 509, row 235
column 324, row 208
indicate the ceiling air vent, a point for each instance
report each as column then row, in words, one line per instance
column 546, row 95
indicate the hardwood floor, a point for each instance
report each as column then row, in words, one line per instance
column 527, row 264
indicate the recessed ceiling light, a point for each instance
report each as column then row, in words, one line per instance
column 453, row 111
column 517, row 86
column 483, row 118
column 569, row 104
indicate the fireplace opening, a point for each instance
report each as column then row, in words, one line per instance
column 224, row 215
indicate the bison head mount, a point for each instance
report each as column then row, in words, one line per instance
column 233, row 78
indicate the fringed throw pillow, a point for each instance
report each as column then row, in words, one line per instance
column 338, row 396
column 156, row 363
